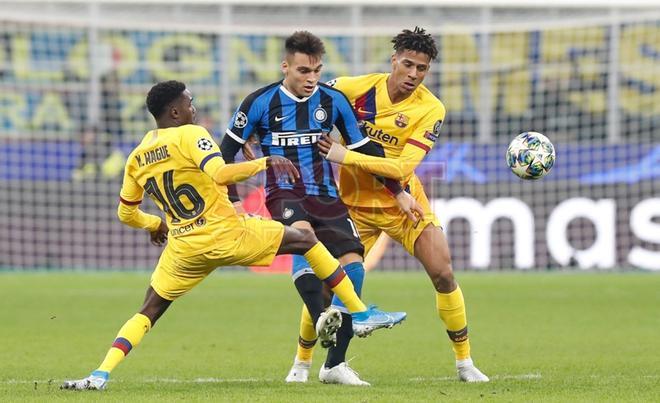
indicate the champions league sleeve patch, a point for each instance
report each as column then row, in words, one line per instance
column 204, row 144
column 436, row 128
column 241, row 120
column 332, row 82
column 433, row 135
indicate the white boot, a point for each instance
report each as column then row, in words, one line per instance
column 341, row 374
column 299, row 371
column 96, row 381
column 467, row 372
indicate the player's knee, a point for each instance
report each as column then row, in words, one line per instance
column 153, row 313
column 154, row 306
column 307, row 237
column 442, row 275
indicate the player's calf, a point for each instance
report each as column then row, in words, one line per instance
column 297, row 241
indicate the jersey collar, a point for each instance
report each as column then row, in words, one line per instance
column 295, row 98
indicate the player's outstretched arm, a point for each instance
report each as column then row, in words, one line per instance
column 405, row 201
column 395, row 168
column 229, row 148
column 212, row 159
column 370, row 148
column 230, row 174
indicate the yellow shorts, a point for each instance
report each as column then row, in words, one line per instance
column 371, row 221
column 256, row 245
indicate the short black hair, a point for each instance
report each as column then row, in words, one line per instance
column 417, row 41
column 162, row 94
column 304, row 42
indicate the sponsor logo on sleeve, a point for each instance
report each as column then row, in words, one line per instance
column 430, row 136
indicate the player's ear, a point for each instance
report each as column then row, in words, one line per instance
column 393, row 59
column 284, row 66
column 173, row 111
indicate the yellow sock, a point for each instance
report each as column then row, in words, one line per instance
column 451, row 308
column 128, row 337
column 327, row 268
column 307, row 338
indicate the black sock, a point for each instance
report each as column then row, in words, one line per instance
column 310, row 289
column 337, row 354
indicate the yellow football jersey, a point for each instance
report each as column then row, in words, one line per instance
column 407, row 131
column 166, row 165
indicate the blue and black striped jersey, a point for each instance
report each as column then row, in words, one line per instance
column 290, row 127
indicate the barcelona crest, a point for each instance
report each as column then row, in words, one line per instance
column 401, row 120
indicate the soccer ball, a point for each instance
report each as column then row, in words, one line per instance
column 530, row 155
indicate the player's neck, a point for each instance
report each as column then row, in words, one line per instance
column 289, row 88
column 165, row 124
column 394, row 93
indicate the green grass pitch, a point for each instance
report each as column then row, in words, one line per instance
column 539, row 336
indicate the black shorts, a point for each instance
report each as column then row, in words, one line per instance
column 328, row 217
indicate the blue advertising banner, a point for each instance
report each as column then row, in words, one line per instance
column 448, row 162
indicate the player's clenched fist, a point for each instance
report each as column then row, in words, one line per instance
column 159, row 237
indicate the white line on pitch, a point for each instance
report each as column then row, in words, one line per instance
column 207, row 380
column 149, row 380
column 495, row 377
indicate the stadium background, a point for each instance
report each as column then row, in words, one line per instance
column 588, row 76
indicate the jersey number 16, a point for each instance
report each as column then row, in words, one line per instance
column 173, row 205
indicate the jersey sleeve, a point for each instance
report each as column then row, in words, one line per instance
column 347, row 124
column 131, row 192
column 418, row 145
column 245, row 120
column 427, row 132
column 130, row 197
column 349, row 86
column 202, row 148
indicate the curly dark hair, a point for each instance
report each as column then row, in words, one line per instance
column 304, row 42
column 162, row 94
column 417, row 40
